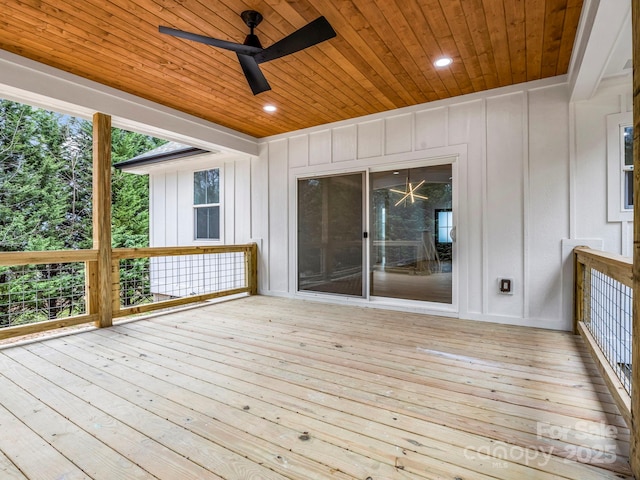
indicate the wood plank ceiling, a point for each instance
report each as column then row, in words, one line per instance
column 381, row 59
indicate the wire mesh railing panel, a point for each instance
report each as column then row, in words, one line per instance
column 608, row 316
column 135, row 287
column 149, row 280
column 37, row 293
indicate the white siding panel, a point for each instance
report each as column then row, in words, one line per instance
column 431, row 129
column 156, row 210
column 185, row 227
column 299, row 151
column 229, row 206
column 505, row 209
column 549, row 199
column 278, row 217
column 171, row 209
column 243, row 201
column 320, row 147
column 467, row 126
column 591, row 168
column 344, row 143
column 398, row 134
column 260, row 212
column 370, row 136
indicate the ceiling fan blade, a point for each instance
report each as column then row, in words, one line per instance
column 254, row 75
column 311, row 34
column 234, row 47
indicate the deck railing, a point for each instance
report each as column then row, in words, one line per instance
column 44, row 290
column 41, row 291
column 603, row 316
column 146, row 279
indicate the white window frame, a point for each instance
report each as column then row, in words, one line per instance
column 616, row 205
column 195, row 207
column 625, row 168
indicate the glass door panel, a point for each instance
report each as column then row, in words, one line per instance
column 412, row 234
column 330, row 234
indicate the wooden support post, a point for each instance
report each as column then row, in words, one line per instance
column 253, row 269
column 635, row 360
column 578, row 295
column 102, row 214
column 115, row 286
column 91, row 285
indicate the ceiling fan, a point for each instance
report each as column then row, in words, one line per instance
column 250, row 53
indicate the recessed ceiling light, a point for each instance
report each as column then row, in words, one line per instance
column 443, row 62
column 270, row 108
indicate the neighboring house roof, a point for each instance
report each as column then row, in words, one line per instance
column 163, row 153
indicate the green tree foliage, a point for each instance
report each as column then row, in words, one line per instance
column 45, row 204
column 130, row 214
column 130, row 202
column 30, row 196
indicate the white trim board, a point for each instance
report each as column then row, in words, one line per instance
column 37, row 84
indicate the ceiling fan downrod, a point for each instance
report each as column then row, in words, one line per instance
column 252, row 19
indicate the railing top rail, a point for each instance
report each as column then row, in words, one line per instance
column 10, row 259
column 614, row 258
column 616, row 266
column 124, row 253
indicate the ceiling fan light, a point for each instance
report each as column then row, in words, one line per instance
column 443, row 62
column 270, row 108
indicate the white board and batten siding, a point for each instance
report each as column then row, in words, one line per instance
column 521, row 187
column 171, row 200
column 172, row 220
column 530, row 181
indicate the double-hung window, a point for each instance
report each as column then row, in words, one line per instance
column 206, row 204
column 620, row 167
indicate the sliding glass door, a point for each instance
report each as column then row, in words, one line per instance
column 410, row 244
column 330, row 234
column 412, row 234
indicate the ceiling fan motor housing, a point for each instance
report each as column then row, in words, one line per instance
column 252, row 41
column 251, row 18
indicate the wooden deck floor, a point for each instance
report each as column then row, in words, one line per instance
column 266, row 388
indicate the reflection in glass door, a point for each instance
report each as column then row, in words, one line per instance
column 412, row 234
column 330, row 231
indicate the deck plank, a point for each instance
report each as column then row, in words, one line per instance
column 364, row 359
column 8, row 470
column 386, row 358
column 139, row 448
column 31, row 453
column 275, row 388
column 362, row 401
column 176, row 443
column 429, row 403
column 178, row 405
column 90, row 455
column 164, row 374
